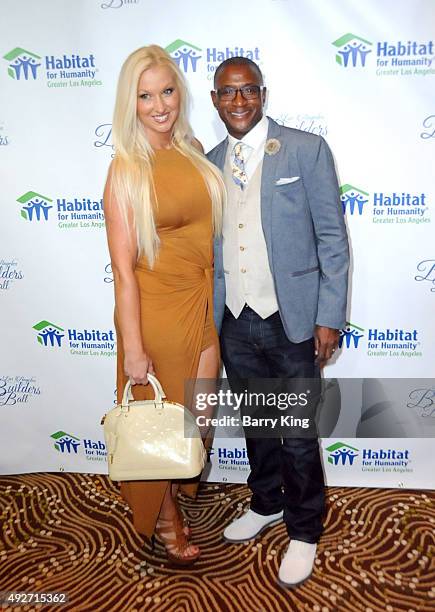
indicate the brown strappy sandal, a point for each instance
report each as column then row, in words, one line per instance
column 173, row 538
column 184, row 521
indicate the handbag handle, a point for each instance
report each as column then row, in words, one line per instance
column 159, row 394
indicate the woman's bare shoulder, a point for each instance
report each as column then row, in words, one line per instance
column 198, row 146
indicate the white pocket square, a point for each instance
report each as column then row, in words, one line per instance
column 287, row 181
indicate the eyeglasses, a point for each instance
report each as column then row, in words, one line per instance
column 249, row 92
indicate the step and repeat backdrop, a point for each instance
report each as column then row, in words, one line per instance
column 364, row 79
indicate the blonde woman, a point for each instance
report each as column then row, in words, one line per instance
column 163, row 203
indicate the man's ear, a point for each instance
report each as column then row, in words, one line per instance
column 264, row 95
column 213, row 98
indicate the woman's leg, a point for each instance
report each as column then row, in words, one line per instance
column 208, row 368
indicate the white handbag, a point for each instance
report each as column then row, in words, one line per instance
column 152, row 439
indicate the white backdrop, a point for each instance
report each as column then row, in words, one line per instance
column 362, row 78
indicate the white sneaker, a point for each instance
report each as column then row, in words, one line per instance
column 249, row 525
column 297, row 563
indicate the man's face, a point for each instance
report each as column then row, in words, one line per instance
column 239, row 115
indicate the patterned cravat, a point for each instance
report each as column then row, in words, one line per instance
column 238, row 166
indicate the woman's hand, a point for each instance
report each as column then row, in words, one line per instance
column 136, row 367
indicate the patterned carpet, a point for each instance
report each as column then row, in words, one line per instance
column 73, row 533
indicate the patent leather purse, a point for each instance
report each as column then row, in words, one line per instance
column 152, row 439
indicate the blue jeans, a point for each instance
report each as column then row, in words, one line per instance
column 286, row 473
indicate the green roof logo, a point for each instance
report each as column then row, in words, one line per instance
column 184, row 54
column 353, row 199
column 352, row 50
column 36, row 206
column 49, row 333
column 350, row 335
column 65, row 442
column 341, row 454
column 23, row 64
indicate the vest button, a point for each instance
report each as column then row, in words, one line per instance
column 242, row 248
column 240, row 225
column 243, row 270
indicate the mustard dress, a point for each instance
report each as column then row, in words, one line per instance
column 176, row 311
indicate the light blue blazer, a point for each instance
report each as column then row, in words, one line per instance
column 304, row 231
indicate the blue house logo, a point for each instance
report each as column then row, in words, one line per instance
column 341, row 454
column 49, row 333
column 23, row 65
column 353, row 199
column 65, row 443
column 184, row 54
column 35, row 206
column 351, row 50
column 350, row 336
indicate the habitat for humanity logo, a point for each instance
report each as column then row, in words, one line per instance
column 352, row 50
column 22, row 64
column 9, row 273
column 94, row 450
column 398, row 58
column 229, row 458
column 350, row 336
column 35, row 206
column 427, row 268
column 385, row 207
column 49, row 334
column 353, row 199
column 341, row 454
column 93, row 342
column 72, row 213
column 65, row 443
column 67, row 70
column 372, row 460
column 385, row 342
column 17, row 389
column 184, row 54
column 188, row 56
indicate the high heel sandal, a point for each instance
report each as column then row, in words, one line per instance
column 172, row 536
column 184, row 521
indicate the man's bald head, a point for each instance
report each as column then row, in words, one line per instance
column 238, row 61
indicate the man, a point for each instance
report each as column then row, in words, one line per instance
column 280, row 293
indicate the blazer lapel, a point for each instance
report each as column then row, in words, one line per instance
column 219, row 158
column 268, row 177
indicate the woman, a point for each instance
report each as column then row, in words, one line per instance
column 162, row 202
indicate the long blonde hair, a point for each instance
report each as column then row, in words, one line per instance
column 131, row 173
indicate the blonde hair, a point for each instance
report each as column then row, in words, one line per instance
column 131, row 173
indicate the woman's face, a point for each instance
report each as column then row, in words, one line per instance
column 158, row 104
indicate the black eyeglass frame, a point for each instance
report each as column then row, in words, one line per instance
column 258, row 88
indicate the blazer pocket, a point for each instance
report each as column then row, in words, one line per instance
column 290, row 185
column 287, row 181
column 302, row 272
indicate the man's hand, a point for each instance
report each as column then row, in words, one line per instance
column 325, row 343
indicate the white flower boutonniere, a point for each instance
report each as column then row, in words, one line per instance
column 272, row 146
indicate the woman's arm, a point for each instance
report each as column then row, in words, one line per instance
column 123, row 253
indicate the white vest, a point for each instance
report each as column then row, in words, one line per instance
column 248, row 279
